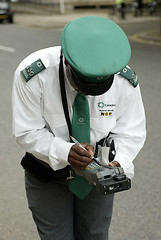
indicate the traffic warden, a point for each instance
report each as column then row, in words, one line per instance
column 93, row 62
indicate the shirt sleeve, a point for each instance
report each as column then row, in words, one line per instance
column 29, row 126
column 130, row 131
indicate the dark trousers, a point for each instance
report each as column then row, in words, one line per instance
column 59, row 215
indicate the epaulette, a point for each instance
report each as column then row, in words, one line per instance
column 32, row 70
column 130, row 75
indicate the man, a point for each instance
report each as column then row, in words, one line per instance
column 92, row 61
column 120, row 6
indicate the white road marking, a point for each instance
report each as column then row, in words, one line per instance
column 7, row 49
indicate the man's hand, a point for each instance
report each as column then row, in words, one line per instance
column 80, row 158
column 114, row 164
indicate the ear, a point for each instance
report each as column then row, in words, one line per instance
column 65, row 62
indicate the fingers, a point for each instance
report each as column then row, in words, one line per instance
column 89, row 148
column 77, row 164
column 114, row 164
column 78, row 157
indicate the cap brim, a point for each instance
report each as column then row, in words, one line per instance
column 93, row 89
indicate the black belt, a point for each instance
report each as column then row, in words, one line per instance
column 41, row 170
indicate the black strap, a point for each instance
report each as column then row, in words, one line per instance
column 41, row 170
column 63, row 94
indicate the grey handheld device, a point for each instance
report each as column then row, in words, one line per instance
column 107, row 179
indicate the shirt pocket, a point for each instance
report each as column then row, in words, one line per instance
column 101, row 127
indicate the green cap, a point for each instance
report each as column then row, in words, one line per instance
column 95, row 47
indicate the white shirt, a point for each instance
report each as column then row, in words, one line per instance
column 39, row 123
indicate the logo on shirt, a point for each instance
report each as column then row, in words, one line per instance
column 106, row 114
column 106, row 110
column 102, row 105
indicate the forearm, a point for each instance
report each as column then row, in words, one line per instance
column 46, row 147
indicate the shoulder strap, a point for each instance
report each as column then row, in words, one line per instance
column 32, row 70
column 63, row 94
column 130, row 75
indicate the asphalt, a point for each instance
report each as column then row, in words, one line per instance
column 45, row 18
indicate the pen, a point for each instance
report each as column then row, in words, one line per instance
column 80, row 145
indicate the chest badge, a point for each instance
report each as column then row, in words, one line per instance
column 106, row 110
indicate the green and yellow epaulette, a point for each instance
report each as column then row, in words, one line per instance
column 32, row 70
column 130, row 75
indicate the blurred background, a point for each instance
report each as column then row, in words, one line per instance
column 27, row 26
